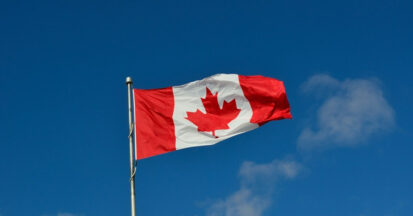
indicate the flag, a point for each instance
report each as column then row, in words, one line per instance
column 205, row 112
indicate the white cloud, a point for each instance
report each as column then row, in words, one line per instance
column 320, row 81
column 257, row 185
column 352, row 111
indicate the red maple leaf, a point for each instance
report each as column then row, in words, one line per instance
column 215, row 118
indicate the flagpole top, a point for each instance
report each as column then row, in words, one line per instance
column 128, row 80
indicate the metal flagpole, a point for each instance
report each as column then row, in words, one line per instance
column 132, row 166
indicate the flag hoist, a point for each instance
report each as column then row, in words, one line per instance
column 200, row 113
column 131, row 157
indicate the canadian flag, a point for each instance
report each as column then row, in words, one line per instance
column 205, row 112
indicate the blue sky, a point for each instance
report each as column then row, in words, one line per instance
column 347, row 67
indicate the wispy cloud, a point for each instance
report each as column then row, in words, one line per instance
column 257, row 186
column 351, row 112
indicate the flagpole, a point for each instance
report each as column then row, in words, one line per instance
column 132, row 166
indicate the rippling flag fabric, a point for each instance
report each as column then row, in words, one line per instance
column 205, row 112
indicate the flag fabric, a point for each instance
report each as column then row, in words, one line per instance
column 205, row 112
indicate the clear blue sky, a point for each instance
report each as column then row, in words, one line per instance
column 347, row 67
